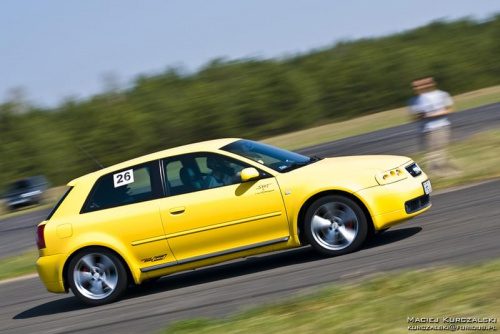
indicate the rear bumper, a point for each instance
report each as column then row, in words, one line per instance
column 392, row 204
column 50, row 271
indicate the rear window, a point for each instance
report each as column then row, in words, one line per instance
column 124, row 187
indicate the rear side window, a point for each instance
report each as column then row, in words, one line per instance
column 132, row 185
column 54, row 209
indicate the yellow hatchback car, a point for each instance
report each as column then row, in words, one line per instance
column 214, row 201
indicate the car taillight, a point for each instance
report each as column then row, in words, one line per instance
column 40, row 238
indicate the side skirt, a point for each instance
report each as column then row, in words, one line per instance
column 209, row 256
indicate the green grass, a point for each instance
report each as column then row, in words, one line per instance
column 378, row 121
column 18, row 265
column 477, row 98
column 380, row 304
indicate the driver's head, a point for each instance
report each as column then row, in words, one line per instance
column 214, row 163
column 217, row 164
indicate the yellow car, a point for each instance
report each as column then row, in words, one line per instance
column 214, row 201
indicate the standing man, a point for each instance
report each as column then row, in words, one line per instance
column 430, row 107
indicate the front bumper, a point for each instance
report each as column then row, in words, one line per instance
column 417, row 204
column 50, row 271
column 396, row 202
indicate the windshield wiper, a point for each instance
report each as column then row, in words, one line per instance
column 315, row 158
column 296, row 165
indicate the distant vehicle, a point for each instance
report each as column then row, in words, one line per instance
column 209, row 202
column 26, row 191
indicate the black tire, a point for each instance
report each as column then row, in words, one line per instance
column 335, row 225
column 97, row 276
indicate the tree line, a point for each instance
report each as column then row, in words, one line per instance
column 251, row 98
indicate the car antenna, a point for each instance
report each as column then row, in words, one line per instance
column 91, row 157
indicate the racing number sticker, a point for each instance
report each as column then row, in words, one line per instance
column 123, row 178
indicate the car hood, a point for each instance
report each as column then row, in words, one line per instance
column 379, row 163
column 350, row 174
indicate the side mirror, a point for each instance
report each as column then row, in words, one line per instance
column 249, row 173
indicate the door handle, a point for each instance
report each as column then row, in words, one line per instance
column 178, row 210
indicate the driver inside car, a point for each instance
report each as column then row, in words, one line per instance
column 221, row 174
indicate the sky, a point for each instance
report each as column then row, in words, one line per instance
column 59, row 49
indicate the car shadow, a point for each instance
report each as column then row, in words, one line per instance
column 59, row 306
column 236, row 268
column 391, row 236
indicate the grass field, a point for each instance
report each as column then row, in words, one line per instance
column 378, row 121
column 18, row 265
column 381, row 304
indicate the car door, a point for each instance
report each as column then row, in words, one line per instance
column 123, row 210
column 202, row 222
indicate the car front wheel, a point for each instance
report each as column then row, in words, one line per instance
column 335, row 225
column 97, row 276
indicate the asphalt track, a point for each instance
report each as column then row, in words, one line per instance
column 462, row 227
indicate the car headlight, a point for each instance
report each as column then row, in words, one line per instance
column 391, row 176
column 414, row 169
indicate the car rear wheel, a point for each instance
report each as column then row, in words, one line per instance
column 97, row 276
column 335, row 225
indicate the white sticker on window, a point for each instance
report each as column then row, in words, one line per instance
column 123, row 178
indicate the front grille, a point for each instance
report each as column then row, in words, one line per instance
column 414, row 169
column 417, row 204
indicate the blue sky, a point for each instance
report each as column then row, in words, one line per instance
column 60, row 48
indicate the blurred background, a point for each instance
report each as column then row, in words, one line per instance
column 118, row 79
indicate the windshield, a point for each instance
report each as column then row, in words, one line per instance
column 276, row 158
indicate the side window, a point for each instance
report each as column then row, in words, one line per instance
column 219, row 170
column 200, row 171
column 173, row 172
column 123, row 187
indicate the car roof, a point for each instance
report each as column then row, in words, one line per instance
column 209, row 145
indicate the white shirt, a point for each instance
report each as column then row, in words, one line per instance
column 430, row 102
